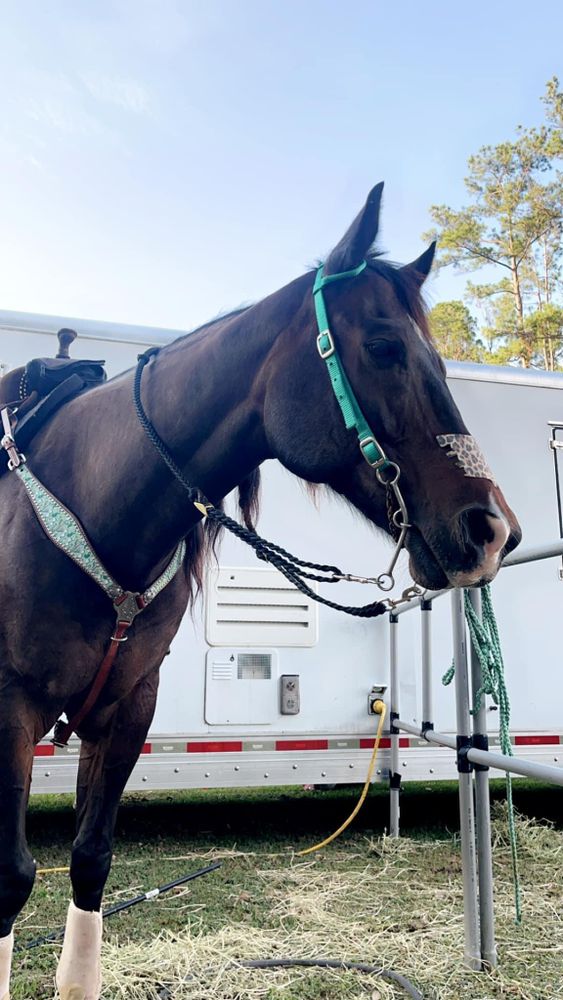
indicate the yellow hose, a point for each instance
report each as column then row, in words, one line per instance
column 380, row 708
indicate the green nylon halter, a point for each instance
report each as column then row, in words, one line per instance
column 345, row 396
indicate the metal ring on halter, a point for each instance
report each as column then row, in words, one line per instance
column 385, row 581
column 396, row 474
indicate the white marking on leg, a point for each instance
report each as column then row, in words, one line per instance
column 79, row 974
column 6, row 948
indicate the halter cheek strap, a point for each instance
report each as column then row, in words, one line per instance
column 353, row 417
column 387, row 472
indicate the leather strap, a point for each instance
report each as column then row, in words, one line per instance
column 64, row 730
column 64, row 529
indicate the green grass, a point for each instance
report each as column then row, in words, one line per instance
column 163, row 836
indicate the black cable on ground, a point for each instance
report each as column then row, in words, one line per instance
column 316, row 963
column 125, row 905
column 266, row 963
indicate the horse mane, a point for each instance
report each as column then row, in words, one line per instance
column 220, row 318
column 202, row 542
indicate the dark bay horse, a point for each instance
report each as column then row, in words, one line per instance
column 242, row 389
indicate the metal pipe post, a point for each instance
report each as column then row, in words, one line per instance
column 395, row 777
column 472, row 952
column 483, row 811
column 426, row 637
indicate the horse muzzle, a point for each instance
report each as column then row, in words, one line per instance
column 466, row 553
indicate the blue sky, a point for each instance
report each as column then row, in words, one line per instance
column 163, row 160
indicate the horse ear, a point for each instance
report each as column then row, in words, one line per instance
column 356, row 242
column 421, row 267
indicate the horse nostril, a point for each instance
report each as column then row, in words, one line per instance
column 478, row 525
column 484, row 530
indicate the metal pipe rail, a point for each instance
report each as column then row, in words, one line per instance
column 488, row 758
column 535, row 553
column 473, row 761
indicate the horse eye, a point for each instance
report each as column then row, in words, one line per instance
column 386, row 352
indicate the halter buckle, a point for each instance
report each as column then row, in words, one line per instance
column 371, row 442
column 328, row 351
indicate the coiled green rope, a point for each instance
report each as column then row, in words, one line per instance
column 486, row 642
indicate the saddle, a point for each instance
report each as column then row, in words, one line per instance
column 34, row 392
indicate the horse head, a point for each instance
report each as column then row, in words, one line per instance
column 458, row 523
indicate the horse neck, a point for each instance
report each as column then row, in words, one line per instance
column 204, row 395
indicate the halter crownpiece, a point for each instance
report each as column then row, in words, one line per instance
column 467, row 455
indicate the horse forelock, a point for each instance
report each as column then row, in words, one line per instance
column 407, row 289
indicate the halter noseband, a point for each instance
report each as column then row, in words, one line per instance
column 355, row 420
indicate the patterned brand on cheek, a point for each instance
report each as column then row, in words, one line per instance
column 467, row 455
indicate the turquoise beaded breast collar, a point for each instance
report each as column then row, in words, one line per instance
column 64, row 530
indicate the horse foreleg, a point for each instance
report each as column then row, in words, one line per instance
column 18, row 729
column 103, row 771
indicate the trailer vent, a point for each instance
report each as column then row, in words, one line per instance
column 258, row 607
column 254, row 667
column 222, row 671
column 241, row 687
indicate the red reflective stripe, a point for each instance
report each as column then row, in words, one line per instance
column 301, row 744
column 384, row 743
column 535, row 741
column 147, row 748
column 44, row 750
column 218, row 746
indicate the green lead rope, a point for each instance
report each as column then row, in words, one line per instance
column 486, row 642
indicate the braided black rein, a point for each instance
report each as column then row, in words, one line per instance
column 294, row 569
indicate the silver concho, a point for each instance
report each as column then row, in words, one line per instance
column 467, row 455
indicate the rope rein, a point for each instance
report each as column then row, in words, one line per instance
column 294, row 569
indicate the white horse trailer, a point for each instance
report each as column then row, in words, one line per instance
column 263, row 686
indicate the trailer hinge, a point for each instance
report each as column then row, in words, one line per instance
column 392, row 728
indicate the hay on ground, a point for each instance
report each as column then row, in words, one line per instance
column 402, row 909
